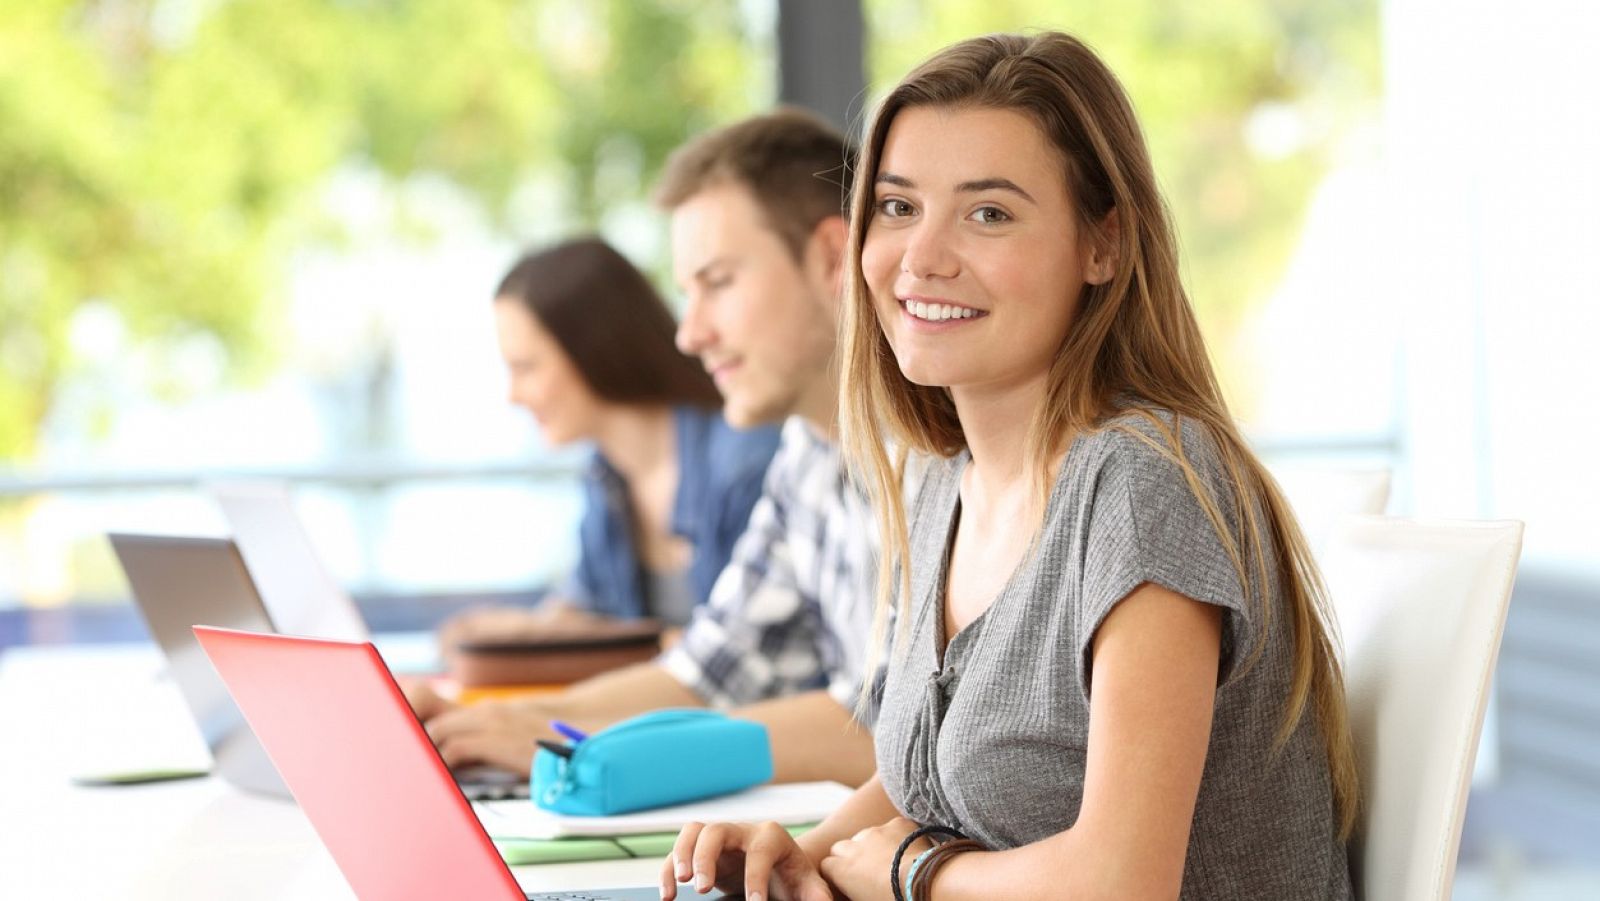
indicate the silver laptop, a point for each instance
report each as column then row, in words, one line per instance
column 302, row 595
column 297, row 588
column 179, row 582
column 176, row 583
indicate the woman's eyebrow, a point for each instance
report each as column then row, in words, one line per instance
column 966, row 187
column 995, row 184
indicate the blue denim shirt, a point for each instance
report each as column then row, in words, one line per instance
column 720, row 472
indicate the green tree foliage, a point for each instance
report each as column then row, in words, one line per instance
column 1296, row 75
column 163, row 158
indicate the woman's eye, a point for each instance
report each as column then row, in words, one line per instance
column 990, row 215
column 894, row 207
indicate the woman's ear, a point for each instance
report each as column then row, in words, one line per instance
column 1102, row 263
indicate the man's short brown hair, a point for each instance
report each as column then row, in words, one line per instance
column 795, row 165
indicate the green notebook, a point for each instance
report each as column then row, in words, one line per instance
column 655, row 845
column 137, row 777
column 660, row 844
column 529, row 851
column 524, row 851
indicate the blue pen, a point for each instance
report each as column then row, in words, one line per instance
column 568, row 731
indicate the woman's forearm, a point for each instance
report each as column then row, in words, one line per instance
column 868, row 806
column 1057, row 867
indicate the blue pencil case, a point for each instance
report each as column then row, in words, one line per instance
column 653, row 760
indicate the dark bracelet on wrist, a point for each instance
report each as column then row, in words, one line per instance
column 922, row 879
column 900, row 852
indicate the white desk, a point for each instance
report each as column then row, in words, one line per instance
column 76, row 709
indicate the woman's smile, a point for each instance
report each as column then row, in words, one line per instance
column 938, row 314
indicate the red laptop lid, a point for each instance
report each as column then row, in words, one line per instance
column 345, row 741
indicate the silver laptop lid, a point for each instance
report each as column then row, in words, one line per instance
column 180, row 582
column 299, row 591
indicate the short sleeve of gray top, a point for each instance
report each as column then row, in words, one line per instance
column 992, row 738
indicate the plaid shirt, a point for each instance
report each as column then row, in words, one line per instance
column 793, row 609
column 721, row 471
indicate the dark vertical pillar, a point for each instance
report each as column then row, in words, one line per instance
column 822, row 58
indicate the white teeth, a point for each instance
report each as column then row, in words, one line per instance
column 938, row 312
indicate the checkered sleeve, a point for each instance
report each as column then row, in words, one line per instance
column 758, row 635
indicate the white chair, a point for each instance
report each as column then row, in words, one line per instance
column 1322, row 496
column 1421, row 606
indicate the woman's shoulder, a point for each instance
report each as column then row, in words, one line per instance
column 929, row 478
column 924, row 468
column 725, row 452
column 1150, row 439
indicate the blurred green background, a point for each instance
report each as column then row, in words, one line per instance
column 162, row 160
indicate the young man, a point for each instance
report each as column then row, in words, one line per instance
column 758, row 243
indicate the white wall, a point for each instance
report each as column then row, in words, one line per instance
column 1492, row 135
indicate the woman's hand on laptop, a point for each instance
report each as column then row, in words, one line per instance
column 760, row 860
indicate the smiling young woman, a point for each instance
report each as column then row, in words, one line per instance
column 1114, row 669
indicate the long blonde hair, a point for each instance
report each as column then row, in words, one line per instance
column 1135, row 335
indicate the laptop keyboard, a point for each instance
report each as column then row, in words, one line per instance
column 493, row 791
column 483, row 783
column 620, row 894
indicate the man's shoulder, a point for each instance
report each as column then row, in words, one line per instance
column 805, row 456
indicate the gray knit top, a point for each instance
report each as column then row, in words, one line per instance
column 991, row 738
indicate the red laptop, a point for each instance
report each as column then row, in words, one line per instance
column 347, row 744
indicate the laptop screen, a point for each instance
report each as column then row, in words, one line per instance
column 176, row 583
column 303, row 596
column 361, row 767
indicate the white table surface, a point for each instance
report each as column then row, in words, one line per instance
column 72, row 710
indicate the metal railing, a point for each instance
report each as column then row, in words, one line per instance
column 361, row 473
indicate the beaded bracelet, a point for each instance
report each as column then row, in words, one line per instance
column 900, row 852
column 911, row 877
column 920, row 885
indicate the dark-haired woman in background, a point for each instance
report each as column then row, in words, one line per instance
column 588, row 345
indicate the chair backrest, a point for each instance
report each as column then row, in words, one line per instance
column 1323, row 496
column 1421, row 606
